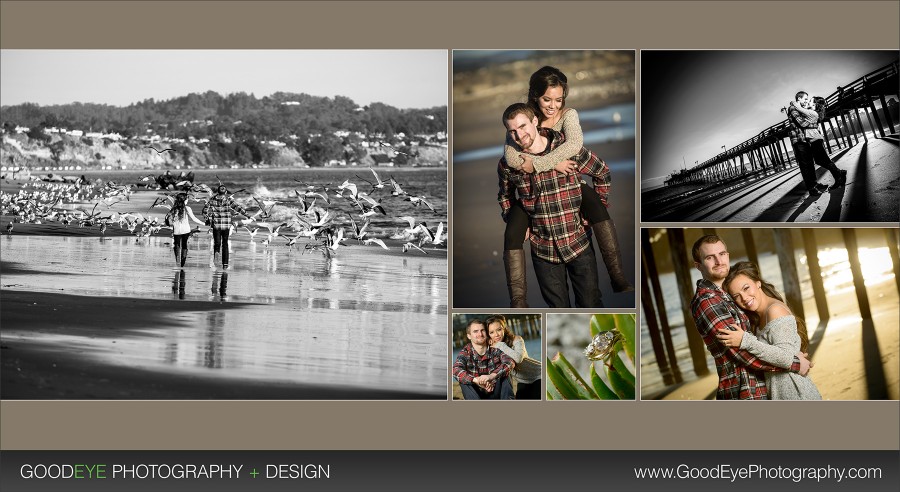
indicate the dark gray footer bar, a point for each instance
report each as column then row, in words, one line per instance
column 670, row 471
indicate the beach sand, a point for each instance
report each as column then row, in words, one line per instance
column 86, row 317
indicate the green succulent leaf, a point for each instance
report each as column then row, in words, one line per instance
column 600, row 387
column 574, row 380
column 622, row 369
column 601, row 322
column 625, row 323
column 559, row 386
column 620, row 385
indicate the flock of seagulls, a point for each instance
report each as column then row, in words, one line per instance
column 324, row 218
column 37, row 202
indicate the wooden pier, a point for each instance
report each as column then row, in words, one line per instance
column 767, row 158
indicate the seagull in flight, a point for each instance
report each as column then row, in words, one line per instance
column 408, row 246
column 376, row 241
column 419, row 200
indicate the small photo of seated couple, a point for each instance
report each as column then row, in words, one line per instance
column 544, row 179
column 770, row 314
column 496, row 357
column 593, row 356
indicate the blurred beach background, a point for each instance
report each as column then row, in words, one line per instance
column 602, row 89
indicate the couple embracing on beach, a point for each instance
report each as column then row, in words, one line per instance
column 759, row 346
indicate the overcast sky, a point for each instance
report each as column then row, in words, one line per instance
column 400, row 78
column 693, row 102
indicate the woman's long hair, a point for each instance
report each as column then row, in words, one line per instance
column 751, row 271
column 542, row 80
column 508, row 336
column 178, row 208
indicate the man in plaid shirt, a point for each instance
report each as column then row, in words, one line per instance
column 481, row 370
column 804, row 120
column 218, row 211
column 560, row 247
column 802, row 129
column 740, row 373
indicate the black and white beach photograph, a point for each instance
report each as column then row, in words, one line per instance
column 770, row 136
column 224, row 224
column 543, row 178
column 770, row 314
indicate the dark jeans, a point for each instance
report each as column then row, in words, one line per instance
column 220, row 242
column 820, row 155
column 529, row 391
column 502, row 391
column 554, row 284
column 180, row 241
column 517, row 221
column 804, row 155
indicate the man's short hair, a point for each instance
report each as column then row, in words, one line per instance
column 707, row 239
column 516, row 109
column 799, row 95
column 476, row 321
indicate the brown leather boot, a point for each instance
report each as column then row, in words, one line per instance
column 183, row 256
column 514, row 261
column 178, row 255
column 605, row 233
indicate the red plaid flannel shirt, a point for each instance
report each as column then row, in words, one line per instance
column 801, row 121
column 740, row 372
column 553, row 201
column 469, row 364
column 219, row 209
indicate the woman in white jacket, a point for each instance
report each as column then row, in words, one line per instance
column 181, row 227
column 527, row 371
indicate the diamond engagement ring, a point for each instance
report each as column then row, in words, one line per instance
column 601, row 347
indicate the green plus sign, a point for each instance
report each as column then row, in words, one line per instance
column 254, row 473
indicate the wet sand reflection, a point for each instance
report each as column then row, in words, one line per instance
column 283, row 315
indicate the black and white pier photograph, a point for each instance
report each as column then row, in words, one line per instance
column 770, row 136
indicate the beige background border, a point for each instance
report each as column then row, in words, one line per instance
column 447, row 25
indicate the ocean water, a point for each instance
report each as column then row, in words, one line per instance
column 280, row 185
column 611, row 123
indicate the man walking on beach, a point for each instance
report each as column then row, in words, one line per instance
column 218, row 211
column 481, row 370
column 560, row 246
column 809, row 145
column 740, row 373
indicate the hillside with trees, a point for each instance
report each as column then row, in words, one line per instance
column 234, row 130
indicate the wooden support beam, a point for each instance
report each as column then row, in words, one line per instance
column 784, row 248
column 650, row 317
column 750, row 245
column 859, row 282
column 680, row 255
column 891, row 236
column 887, row 113
column 815, row 273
